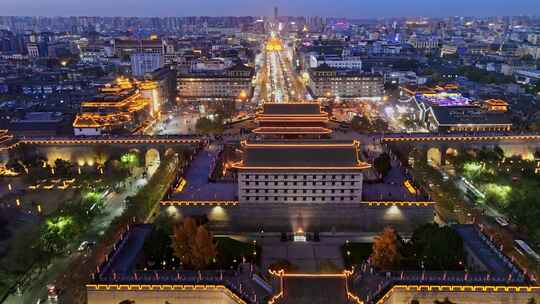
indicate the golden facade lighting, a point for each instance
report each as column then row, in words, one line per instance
column 399, row 204
column 282, row 275
column 166, row 287
column 358, row 165
column 496, row 105
column 292, row 119
column 460, row 288
column 461, row 138
column 200, row 203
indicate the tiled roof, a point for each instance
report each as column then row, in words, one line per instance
column 301, row 155
column 304, row 108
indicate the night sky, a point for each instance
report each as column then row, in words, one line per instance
column 336, row 8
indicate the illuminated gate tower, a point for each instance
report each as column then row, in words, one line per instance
column 292, row 120
column 288, row 172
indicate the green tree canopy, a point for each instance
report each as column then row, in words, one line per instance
column 63, row 168
column 437, row 248
column 383, row 164
column 193, row 245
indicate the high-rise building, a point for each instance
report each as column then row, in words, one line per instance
column 230, row 83
column 328, row 82
column 276, row 13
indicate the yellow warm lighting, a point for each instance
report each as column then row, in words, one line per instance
column 344, row 275
column 409, row 187
column 292, row 130
column 199, row 203
column 181, row 185
column 459, row 288
column 461, row 138
column 274, row 45
column 7, row 172
column 399, row 204
column 356, row 144
column 167, row 287
column 243, row 95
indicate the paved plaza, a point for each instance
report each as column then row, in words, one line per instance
column 306, row 256
column 199, row 188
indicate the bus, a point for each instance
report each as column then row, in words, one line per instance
column 524, row 249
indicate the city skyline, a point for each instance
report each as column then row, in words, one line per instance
column 269, row 151
column 345, row 9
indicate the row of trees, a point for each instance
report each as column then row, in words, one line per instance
column 139, row 208
column 59, row 231
column 67, row 225
column 38, row 168
column 193, row 244
column 509, row 184
column 188, row 244
column 478, row 75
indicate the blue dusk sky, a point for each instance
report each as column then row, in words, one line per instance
column 335, row 8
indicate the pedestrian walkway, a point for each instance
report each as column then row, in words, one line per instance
column 483, row 250
column 123, row 261
column 199, row 188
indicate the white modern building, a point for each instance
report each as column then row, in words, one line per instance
column 527, row 76
column 338, row 62
column 142, row 63
column 328, row 82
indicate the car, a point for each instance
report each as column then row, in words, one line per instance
column 445, row 176
column 501, row 221
column 86, row 245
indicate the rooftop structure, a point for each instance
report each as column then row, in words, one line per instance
column 325, row 82
column 467, row 118
column 301, row 156
column 431, row 101
column 122, row 105
column 234, row 82
column 493, row 277
column 37, row 123
column 285, row 172
column 441, row 95
column 127, row 47
column 296, row 119
column 495, row 105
